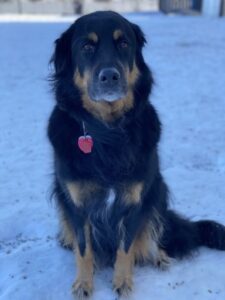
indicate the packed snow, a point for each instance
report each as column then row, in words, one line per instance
column 187, row 58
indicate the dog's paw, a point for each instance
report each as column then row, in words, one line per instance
column 162, row 261
column 82, row 289
column 64, row 243
column 122, row 286
column 67, row 246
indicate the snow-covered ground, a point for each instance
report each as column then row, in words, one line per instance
column 188, row 59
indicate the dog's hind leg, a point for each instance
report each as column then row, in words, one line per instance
column 147, row 250
column 155, row 230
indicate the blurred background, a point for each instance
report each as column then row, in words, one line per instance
column 69, row 7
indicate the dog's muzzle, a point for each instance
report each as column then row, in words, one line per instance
column 108, row 84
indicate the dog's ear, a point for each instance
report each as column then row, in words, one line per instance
column 140, row 37
column 62, row 56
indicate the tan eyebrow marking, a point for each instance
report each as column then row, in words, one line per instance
column 93, row 37
column 117, row 34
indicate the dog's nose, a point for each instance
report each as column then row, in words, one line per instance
column 109, row 76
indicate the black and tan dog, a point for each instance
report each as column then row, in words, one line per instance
column 105, row 133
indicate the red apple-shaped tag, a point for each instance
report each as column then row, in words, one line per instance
column 85, row 143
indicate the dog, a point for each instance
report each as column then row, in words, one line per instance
column 112, row 199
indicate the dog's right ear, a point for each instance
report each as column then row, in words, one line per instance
column 139, row 34
column 62, row 57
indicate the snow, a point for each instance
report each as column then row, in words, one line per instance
column 27, row 18
column 187, row 58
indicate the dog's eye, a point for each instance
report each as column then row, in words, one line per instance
column 123, row 44
column 88, row 47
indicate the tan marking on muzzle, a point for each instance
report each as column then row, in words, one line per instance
column 81, row 82
column 132, row 75
column 106, row 111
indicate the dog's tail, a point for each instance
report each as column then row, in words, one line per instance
column 182, row 236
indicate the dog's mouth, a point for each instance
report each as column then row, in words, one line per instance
column 109, row 95
column 108, row 85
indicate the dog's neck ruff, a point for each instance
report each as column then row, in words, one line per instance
column 85, row 141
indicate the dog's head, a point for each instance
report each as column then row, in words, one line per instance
column 101, row 53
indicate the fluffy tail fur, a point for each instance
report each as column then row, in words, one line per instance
column 182, row 236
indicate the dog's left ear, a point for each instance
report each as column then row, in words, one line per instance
column 140, row 37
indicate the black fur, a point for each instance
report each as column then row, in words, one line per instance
column 125, row 151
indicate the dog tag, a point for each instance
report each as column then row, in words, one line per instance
column 85, row 143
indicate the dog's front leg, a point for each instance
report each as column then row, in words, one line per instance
column 83, row 285
column 80, row 195
column 128, row 208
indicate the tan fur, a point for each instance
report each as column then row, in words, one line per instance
column 144, row 249
column 123, row 269
column 117, row 34
column 81, row 191
column 85, row 268
column 156, row 226
column 132, row 75
column 67, row 236
column 93, row 37
column 132, row 193
column 147, row 247
column 140, row 251
column 74, row 192
column 163, row 262
column 106, row 111
column 81, row 81
column 142, row 246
